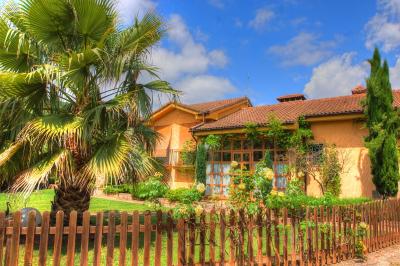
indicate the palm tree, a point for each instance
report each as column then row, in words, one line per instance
column 71, row 104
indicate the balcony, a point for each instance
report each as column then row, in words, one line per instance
column 175, row 158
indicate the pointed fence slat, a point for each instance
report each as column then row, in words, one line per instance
column 44, row 238
column 98, row 237
column 71, row 238
column 30, row 238
column 314, row 236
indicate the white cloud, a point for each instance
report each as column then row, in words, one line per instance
column 129, row 9
column 204, row 87
column 263, row 16
column 186, row 67
column 336, row 77
column 190, row 57
column 304, row 49
column 384, row 28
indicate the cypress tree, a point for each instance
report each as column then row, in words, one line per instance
column 382, row 123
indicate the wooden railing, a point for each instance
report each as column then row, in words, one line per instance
column 313, row 236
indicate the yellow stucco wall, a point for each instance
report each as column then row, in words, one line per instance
column 347, row 136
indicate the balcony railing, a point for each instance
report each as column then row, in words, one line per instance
column 171, row 157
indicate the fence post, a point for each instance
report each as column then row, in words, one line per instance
column 98, row 237
column 71, row 238
column 123, row 238
column 285, row 238
column 316, row 235
column 202, row 229
column 30, row 238
column 181, row 243
column 2, row 234
column 85, row 238
column 268, row 236
column 259, row 239
column 15, row 238
column 212, row 237
column 157, row 258
column 58, row 238
column 222, row 236
column 110, row 239
column 170, row 227
column 44, row 238
column 250, row 226
column 147, row 238
column 232, row 244
column 192, row 239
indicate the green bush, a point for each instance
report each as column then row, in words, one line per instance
column 184, row 195
column 115, row 189
column 301, row 201
column 151, row 189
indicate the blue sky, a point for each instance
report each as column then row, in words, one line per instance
column 216, row 49
column 264, row 49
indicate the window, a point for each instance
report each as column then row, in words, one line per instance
column 247, row 154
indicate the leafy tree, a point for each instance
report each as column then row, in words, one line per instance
column 201, row 167
column 71, row 104
column 382, row 123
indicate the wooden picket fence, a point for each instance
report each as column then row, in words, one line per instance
column 313, row 236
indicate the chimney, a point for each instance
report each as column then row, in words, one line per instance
column 359, row 89
column 291, row 98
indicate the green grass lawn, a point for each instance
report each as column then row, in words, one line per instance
column 41, row 200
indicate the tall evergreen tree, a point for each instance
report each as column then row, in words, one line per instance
column 382, row 123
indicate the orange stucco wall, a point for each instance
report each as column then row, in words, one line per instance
column 348, row 138
column 174, row 130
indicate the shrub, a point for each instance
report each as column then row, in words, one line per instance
column 189, row 152
column 201, row 158
column 151, row 189
column 184, row 195
column 115, row 189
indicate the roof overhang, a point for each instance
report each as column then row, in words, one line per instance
column 170, row 107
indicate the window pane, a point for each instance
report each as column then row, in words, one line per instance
column 217, row 168
column 225, row 191
column 246, row 166
column 258, row 144
column 208, row 190
column 257, row 156
column 226, row 145
column 226, row 180
column 246, row 157
column 217, row 190
column 217, row 156
column 237, row 145
column 226, row 156
column 247, row 144
column 217, row 180
column 226, row 167
column 237, row 157
column 208, row 168
column 208, row 180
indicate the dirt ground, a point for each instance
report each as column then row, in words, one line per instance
column 386, row 257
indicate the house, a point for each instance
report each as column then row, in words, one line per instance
column 335, row 121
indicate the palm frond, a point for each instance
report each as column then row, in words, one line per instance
column 59, row 163
column 53, row 128
column 21, row 85
column 9, row 152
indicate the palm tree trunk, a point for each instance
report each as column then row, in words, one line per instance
column 69, row 197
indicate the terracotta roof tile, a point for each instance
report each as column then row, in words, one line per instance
column 205, row 107
column 288, row 112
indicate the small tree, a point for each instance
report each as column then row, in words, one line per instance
column 382, row 124
column 201, row 168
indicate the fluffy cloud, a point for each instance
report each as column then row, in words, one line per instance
column 384, row 28
column 335, row 77
column 129, row 9
column 304, row 49
column 204, row 87
column 263, row 16
column 186, row 67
